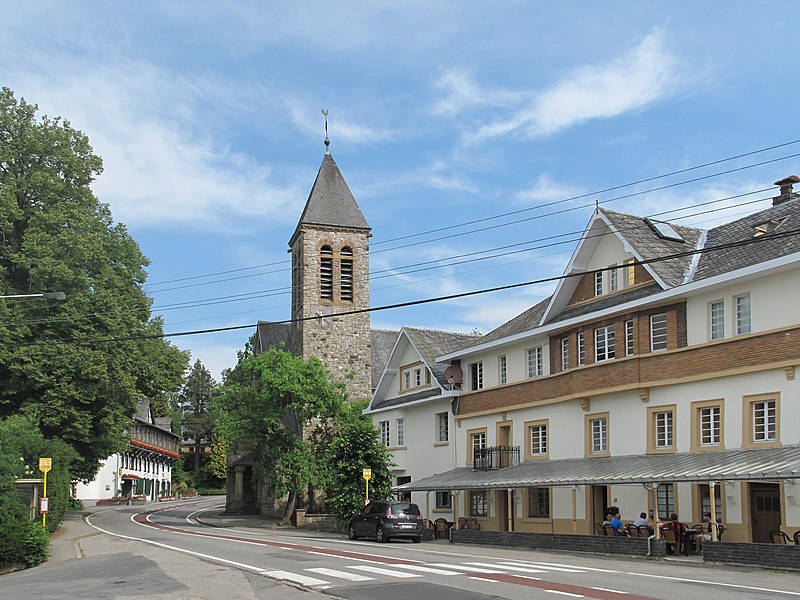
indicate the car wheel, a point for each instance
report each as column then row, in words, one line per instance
column 380, row 536
column 417, row 540
column 351, row 533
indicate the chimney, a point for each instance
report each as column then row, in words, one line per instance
column 786, row 190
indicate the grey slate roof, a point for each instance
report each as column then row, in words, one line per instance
column 525, row 321
column 730, row 465
column 769, row 246
column 432, row 343
column 649, row 245
column 331, row 202
column 382, row 341
column 272, row 335
column 406, row 398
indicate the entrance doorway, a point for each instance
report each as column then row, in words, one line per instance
column 765, row 510
column 599, row 503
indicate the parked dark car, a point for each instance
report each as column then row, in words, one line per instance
column 386, row 519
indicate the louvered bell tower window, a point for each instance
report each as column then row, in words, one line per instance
column 347, row 274
column 326, row 273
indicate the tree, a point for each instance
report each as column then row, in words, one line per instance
column 196, row 404
column 77, row 367
column 355, row 447
column 281, row 407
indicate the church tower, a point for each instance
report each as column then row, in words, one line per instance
column 330, row 278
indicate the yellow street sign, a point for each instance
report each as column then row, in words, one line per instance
column 367, row 474
column 45, row 464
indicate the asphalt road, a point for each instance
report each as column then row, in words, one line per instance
column 170, row 551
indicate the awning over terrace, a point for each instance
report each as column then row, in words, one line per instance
column 730, row 465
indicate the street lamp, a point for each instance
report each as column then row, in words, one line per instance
column 46, row 295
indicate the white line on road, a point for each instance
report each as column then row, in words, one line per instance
column 422, row 569
column 565, row 593
column 599, row 589
column 543, row 566
column 295, row 577
column 340, row 574
column 465, row 568
column 387, row 572
column 508, row 567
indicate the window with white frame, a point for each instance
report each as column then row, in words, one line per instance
column 443, row 500
column 581, row 338
column 477, row 443
column 535, row 362
column 502, row 370
column 476, row 375
column 613, row 278
column 604, row 343
column 539, row 502
column 385, row 438
column 663, row 430
column 565, row 353
column 406, row 379
column 598, row 283
column 666, row 500
column 538, row 439
column 442, row 427
column 629, row 339
column 599, row 429
column 400, row 426
column 477, row 503
column 658, row 332
column 764, row 421
column 717, row 319
column 742, row 314
column 710, row 426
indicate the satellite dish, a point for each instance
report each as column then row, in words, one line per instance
column 453, row 374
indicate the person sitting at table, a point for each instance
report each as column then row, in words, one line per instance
column 616, row 523
column 679, row 529
column 642, row 521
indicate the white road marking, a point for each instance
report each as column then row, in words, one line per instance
column 422, row 569
column 564, row 593
column 295, row 577
column 465, row 568
column 599, row 589
column 483, row 579
column 387, row 572
column 340, row 574
column 508, row 567
column 541, row 565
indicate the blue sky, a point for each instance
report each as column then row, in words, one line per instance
column 207, row 116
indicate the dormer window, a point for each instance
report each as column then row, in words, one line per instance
column 766, row 227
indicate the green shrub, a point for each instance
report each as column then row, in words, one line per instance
column 74, row 504
column 23, row 543
column 211, row 491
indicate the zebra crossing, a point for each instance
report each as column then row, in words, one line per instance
column 312, row 576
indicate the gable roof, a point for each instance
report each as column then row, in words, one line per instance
column 330, row 202
column 431, row 343
column 381, row 343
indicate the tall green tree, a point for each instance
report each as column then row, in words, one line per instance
column 281, row 407
column 57, row 364
column 196, row 404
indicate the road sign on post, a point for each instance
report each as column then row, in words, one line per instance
column 45, row 464
column 43, row 505
column 366, row 474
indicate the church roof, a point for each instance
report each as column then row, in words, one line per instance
column 331, row 203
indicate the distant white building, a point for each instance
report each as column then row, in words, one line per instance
column 660, row 375
column 145, row 469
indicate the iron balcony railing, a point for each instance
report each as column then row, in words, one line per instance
column 495, row 457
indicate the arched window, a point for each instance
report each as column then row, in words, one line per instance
column 347, row 274
column 326, row 273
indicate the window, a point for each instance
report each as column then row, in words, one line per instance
column 442, row 427
column 613, row 278
column 663, row 430
column 477, row 504
column 415, row 376
column 346, row 265
column 581, row 348
column 596, row 435
column 537, row 439
column 502, row 370
column 707, row 425
column 705, row 501
column 476, row 375
column 326, row 273
column 385, row 440
column 761, row 420
column 765, row 227
column 418, row 376
column 403, row 496
column 630, row 272
column 564, row 353
column 658, row 332
column 400, row 425
column 742, row 314
column 539, row 502
column 604, row 343
column 406, row 380
column 629, row 339
column 666, row 500
column 717, row 319
column 476, row 440
column 598, row 283
column 443, row 500
column 535, row 364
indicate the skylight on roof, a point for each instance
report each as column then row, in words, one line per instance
column 766, row 227
column 664, row 230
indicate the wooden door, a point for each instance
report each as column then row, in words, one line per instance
column 765, row 510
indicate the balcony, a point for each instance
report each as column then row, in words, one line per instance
column 495, row 457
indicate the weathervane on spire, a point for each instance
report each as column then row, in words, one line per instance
column 327, row 141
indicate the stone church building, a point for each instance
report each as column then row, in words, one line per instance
column 330, row 307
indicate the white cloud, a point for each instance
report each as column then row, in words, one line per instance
column 644, row 76
column 340, row 126
column 461, row 93
column 547, row 190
